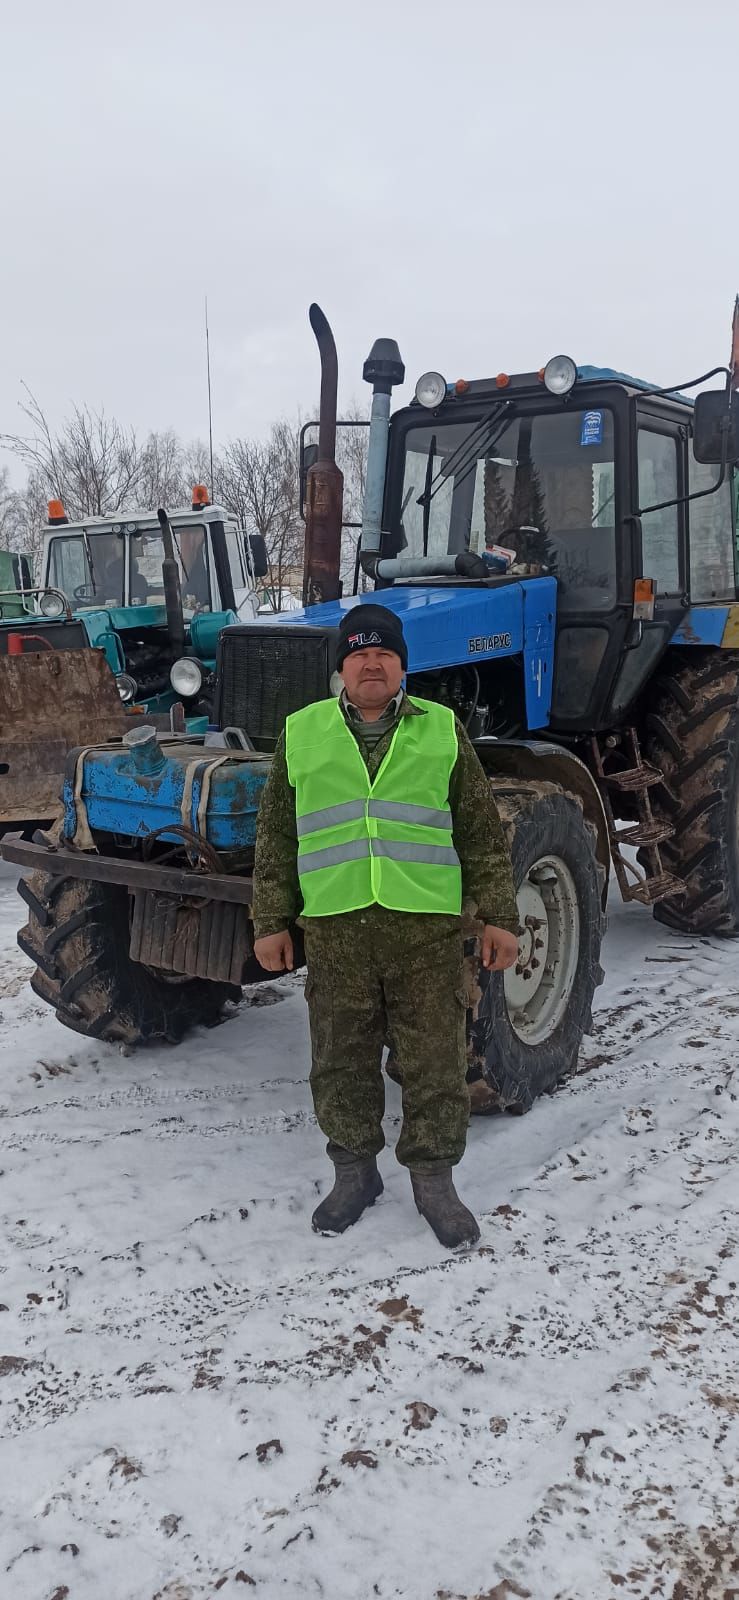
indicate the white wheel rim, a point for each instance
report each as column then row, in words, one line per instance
column 537, row 990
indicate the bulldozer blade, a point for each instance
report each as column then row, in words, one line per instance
column 50, row 702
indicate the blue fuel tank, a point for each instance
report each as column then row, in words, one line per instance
column 137, row 790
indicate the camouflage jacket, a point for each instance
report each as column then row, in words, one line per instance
column 487, row 880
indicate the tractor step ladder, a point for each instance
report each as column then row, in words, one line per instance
column 648, row 832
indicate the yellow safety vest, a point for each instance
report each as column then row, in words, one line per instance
column 387, row 840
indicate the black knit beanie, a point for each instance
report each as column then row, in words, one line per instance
column 368, row 625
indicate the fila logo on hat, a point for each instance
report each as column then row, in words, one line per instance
column 356, row 639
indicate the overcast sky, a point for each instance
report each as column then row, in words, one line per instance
column 487, row 182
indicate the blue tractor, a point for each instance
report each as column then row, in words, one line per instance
column 561, row 547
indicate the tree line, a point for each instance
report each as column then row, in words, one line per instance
column 98, row 466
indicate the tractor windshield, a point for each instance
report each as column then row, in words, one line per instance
column 545, row 489
column 147, row 554
column 87, row 568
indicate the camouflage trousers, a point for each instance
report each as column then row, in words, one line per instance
column 377, row 978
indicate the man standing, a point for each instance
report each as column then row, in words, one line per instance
column 377, row 819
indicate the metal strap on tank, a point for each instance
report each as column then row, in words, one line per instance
column 207, row 766
column 82, row 836
column 201, row 821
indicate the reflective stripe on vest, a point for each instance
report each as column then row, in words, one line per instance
column 386, row 841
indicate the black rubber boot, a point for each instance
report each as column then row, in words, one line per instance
column 356, row 1186
column 437, row 1200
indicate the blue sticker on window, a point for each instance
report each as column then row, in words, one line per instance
column 592, row 427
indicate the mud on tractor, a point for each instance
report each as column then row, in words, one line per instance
column 126, row 621
column 561, row 548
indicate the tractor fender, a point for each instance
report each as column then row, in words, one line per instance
column 535, row 762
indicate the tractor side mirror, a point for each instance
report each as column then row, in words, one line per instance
column 259, row 560
column 308, row 459
column 716, row 427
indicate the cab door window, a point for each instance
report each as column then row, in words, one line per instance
column 711, row 536
column 233, row 550
column 658, row 481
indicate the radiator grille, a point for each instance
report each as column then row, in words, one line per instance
column 264, row 676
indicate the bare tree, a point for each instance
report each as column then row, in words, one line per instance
column 258, row 481
column 93, row 464
column 163, row 476
column 197, row 470
column 351, row 454
column 11, row 513
column 22, row 518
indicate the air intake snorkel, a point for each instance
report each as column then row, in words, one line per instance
column 384, row 369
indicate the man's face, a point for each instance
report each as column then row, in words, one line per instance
column 372, row 676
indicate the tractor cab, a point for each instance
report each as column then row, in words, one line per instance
column 110, row 569
column 581, row 474
column 116, row 563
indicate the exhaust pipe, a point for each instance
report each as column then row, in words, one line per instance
column 324, row 489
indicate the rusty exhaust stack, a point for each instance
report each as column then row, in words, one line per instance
column 324, row 493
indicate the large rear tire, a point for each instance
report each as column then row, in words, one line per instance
column 692, row 735
column 527, row 1026
column 78, row 935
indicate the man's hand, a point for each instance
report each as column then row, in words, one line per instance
column 275, row 953
column 499, row 949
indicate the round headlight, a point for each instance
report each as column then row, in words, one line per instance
column 51, row 605
column 560, row 374
column 127, row 687
column 431, row 390
column 186, row 677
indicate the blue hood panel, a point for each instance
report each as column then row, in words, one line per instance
column 447, row 626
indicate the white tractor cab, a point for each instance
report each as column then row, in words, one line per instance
column 111, row 571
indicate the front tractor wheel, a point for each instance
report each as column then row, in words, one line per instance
column 528, row 1023
column 78, row 935
column 693, row 738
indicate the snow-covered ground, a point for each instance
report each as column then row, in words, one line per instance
column 200, row 1397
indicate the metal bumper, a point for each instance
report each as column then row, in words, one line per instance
column 65, row 863
column 188, row 924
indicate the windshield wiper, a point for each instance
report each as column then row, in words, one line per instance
column 425, row 499
column 485, row 433
column 88, row 553
column 179, row 552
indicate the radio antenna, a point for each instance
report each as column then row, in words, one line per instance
column 210, row 402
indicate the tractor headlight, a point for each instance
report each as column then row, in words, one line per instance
column 560, row 375
column 186, row 677
column 51, row 605
column 127, row 687
column 431, row 390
